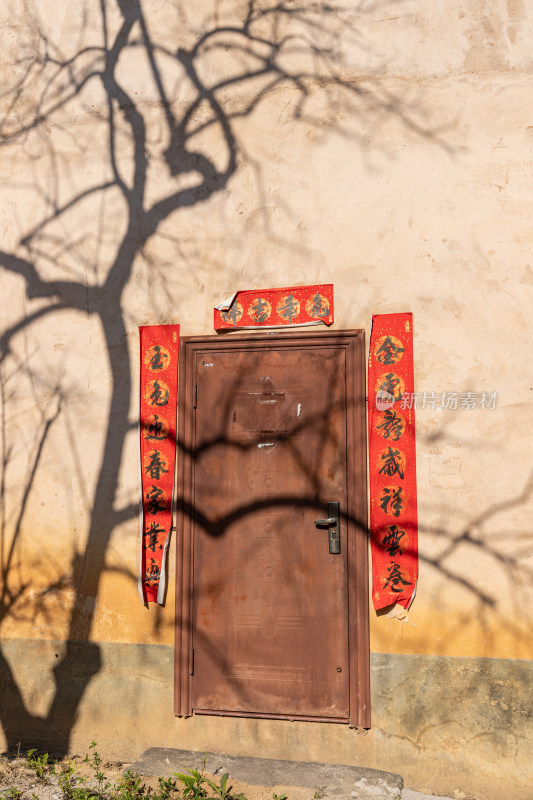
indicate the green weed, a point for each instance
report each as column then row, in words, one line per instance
column 95, row 761
column 193, row 783
column 222, row 791
column 196, row 786
column 72, row 787
column 10, row 794
column 38, row 763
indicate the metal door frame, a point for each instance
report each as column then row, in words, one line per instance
column 353, row 342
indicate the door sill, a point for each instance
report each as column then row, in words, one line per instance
column 258, row 715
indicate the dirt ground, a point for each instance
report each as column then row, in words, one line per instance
column 15, row 774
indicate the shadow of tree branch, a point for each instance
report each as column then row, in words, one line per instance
column 284, row 44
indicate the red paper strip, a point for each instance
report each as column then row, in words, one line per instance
column 157, row 432
column 273, row 308
column 392, row 461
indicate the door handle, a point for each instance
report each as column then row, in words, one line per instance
column 332, row 523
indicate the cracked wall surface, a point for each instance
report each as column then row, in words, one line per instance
column 441, row 722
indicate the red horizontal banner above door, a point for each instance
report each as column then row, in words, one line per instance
column 273, row 308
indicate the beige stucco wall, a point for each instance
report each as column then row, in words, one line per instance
column 407, row 182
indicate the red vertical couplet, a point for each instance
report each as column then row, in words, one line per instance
column 392, row 461
column 157, row 432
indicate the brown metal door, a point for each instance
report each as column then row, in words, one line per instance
column 270, row 608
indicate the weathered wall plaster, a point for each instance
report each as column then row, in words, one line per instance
column 444, row 723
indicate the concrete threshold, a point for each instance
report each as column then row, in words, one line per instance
column 338, row 781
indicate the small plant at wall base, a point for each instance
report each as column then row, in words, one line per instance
column 10, row 794
column 222, row 791
column 195, row 784
column 94, row 760
column 38, row 763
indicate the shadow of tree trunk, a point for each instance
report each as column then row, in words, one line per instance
column 296, row 45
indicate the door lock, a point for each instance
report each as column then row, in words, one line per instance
column 332, row 522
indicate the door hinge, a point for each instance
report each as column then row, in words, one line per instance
column 195, row 396
column 191, row 662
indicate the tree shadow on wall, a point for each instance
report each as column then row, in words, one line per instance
column 159, row 112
